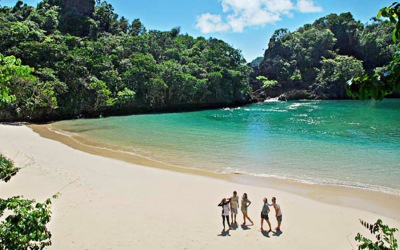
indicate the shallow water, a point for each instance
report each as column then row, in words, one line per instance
column 344, row 143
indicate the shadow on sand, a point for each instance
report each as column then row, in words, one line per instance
column 265, row 233
column 244, row 227
column 277, row 233
column 224, row 233
column 234, row 226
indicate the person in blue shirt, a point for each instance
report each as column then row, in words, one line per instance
column 264, row 215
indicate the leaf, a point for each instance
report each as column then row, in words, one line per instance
column 394, row 37
column 379, row 14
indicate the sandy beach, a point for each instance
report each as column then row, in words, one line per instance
column 108, row 203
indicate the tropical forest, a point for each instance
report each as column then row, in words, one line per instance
column 84, row 60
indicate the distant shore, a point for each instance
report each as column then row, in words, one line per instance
column 115, row 202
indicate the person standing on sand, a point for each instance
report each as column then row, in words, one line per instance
column 264, row 215
column 225, row 212
column 234, row 207
column 278, row 213
column 245, row 204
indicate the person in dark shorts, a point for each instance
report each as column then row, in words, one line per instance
column 264, row 215
column 278, row 213
column 225, row 204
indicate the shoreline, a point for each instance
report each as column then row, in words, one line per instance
column 351, row 197
column 111, row 204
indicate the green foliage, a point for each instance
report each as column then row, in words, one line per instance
column 346, row 31
column 386, row 80
column 294, row 58
column 392, row 12
column 102, row 93
column 125, row 96
column 87, row 65
column 21, row 93
column 335, row 72
column 22, row 222
column 267, row 83
column 10, row 69
column 376, row 47
column 24, row 227
column 7, row 169
column 320, row 58
column 383, row 234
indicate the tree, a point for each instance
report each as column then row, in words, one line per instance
column 266, row 82
column 106, row 18
column 10, row 69
column 86, row 64
column 22, row 94
column 386, row 80
column 334, row 74
column 101, row 92
column 266, row 85
column 376, row 47
column 125, row 97
column 137, row 28
column 345, row 30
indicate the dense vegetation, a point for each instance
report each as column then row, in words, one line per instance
column 102, row 64
column 23, row 223
column 318, row 59
column 385, row 81
column 87, row 61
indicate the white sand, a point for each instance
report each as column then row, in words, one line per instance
column 110, row 204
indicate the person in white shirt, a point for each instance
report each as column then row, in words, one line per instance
column 278, row 213
column 234, row 207
column 225, row 212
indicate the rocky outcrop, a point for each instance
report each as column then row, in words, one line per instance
column 79, row 7
column 297, row 95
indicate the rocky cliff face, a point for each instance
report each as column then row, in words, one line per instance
column 81, row 7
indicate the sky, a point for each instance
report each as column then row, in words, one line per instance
column 247, row 25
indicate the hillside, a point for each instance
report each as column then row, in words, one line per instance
column 86, row 61
column 91, row 64
column 316, row 60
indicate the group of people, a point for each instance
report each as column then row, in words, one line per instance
column 230, row 207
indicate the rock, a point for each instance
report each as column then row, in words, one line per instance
column 80, row 7
column 296, row 95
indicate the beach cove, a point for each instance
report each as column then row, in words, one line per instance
column 351, row 144
column 156, row 113
column 113, row 204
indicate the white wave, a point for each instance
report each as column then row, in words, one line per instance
column 333, row 182
column 62, row 132
column 272, row 100
column 316, row 181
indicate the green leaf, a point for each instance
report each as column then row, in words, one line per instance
column 394, row 36
column 379, row 14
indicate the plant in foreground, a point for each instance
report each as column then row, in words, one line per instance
column 384, row 235
column 23, row 223
column 7, row 169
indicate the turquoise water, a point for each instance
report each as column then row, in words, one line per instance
column 345, row 143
